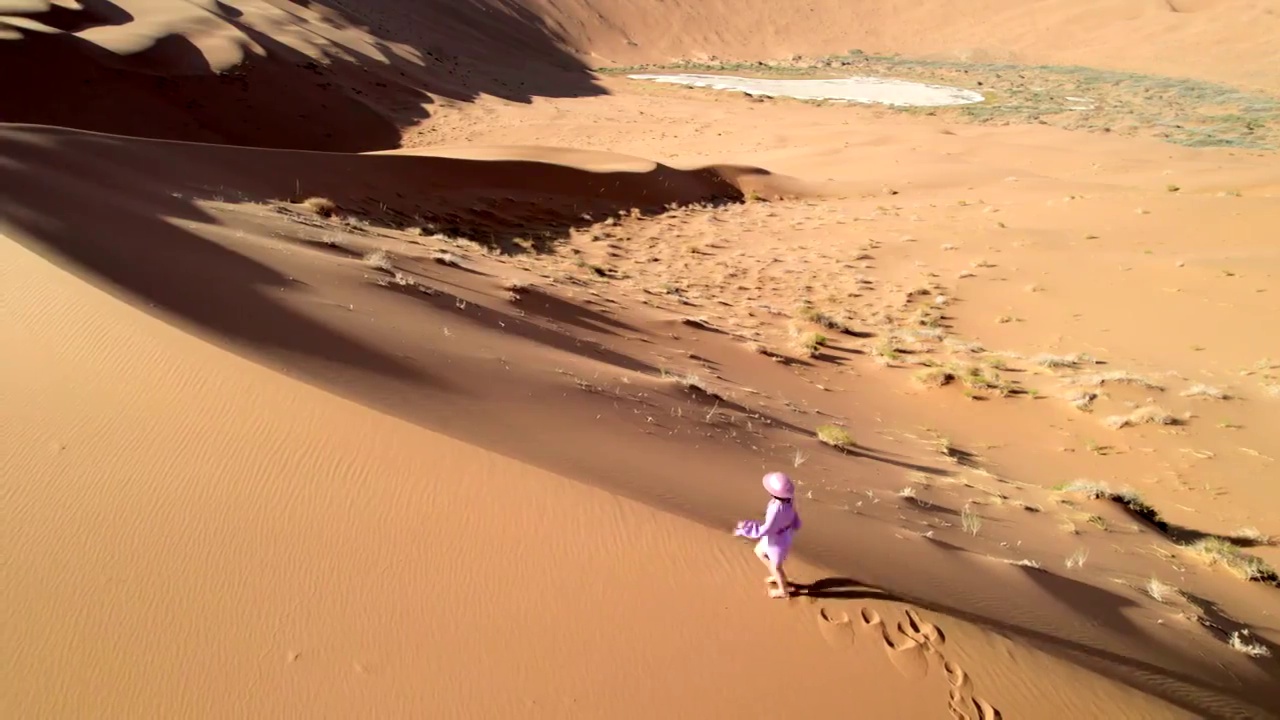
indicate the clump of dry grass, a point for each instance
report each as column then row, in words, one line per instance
column 321, row 206
column 934, row 377
column 1088, row 488
column 925, row 317
column 833, row 435
column 1220, row 551
column 978, row 377
column 1242, row 642
column 1161, row 591
column 515, row 289
column 1077, row 558
column 1082, row 400
column 1145, row 415
column 1252, row 535
column 379, row 260
column 1129, row 498
column 445, row 257
column 825, row 320
column 689, row 381
column 1205, row 391
column 811, row 343
column 1046, row 360
column 399, row 279
column 886, row 351
column 1117, row 377
column 970, row 520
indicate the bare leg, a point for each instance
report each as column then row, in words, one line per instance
column 784, row 585
column 772, row 577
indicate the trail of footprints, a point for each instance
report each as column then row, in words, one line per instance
column 915, row 646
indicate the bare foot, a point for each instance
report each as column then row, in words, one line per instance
column 771, row 580
column 779, row 593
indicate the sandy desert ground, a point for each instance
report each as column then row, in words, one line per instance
column 406, row 359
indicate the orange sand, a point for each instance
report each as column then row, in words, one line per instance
column 469, row 444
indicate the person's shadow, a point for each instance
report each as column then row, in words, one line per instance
column 1199, row 695
column 839, row 588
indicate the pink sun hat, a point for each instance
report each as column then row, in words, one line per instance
column 779, row 485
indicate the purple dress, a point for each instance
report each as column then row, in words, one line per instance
column 781, row 521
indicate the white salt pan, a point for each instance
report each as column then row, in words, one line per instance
column 851, row 89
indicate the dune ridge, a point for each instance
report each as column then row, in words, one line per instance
column 386, row 359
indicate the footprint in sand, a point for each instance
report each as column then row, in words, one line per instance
column 972, row 709
column 958, row 678
column 837, row 630
column 924, row 632
column 963, row 705
column 907, row 655
column 870, row 617
column 912, row 649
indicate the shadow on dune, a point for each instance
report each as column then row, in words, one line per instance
column 343, row 102
column 513, row 325
column 133, row 242
column 477, row 47
column 881, row 457
column 1109, row 611
column 115, row 208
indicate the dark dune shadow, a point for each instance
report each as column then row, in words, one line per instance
column 1107, row 609
column 553, row 308
column 345, row 103
column 477, row 47
column 868, row 454
column 133, row 245
column 927, row 506
column 511, row 324
column 282, row 102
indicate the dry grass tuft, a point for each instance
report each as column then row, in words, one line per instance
column 1082, row 400
column 323, row 207
column 1061, row 361
column 970, row 520
column 1145, row 415
column 1161, row 591
column 935, row 377
column 978, row 377
column 1205, row 391
column 380, row 260
column 1220, row 551
column 1088, row 488
column 444, row 257
column 1252, row 536
column 834, row 435
column 886, row 352
column 825, row 320
column 688, row 381
column 1242, row 642
column 810, row 344
column 1117, row 377
column 1077, row 559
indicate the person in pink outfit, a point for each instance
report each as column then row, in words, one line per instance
column 781, row 521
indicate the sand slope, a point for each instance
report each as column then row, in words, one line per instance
column 263, row 549
column 455, row 425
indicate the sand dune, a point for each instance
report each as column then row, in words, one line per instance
column 386, row 360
